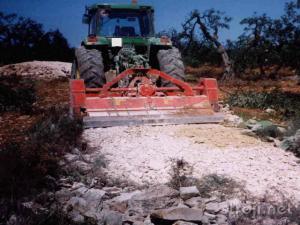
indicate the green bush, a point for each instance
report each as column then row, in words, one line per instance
column 16, row 94
column 286, row 104
column 24, row 166
column 218, row 185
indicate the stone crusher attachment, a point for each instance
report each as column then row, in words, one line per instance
column 142, row 102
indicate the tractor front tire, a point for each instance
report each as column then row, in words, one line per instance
column 89, row 63
column 171, row 63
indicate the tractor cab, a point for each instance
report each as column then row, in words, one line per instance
column 119, row 20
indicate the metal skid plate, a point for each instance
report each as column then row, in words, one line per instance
column 161, row 119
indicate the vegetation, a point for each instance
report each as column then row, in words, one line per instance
column 209, row 22
column 180, row 174
column 266, row 43
column 23, row 39
column 269, row 42
column 26, row 168
column 218, row 185
column 286, row 104
column 16, row 94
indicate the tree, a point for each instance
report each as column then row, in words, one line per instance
column 269, row 43
column 23, row 39
column 209, row 22
column 18, row 37
column 54, row 46
column 286, row 36
column 257, row 48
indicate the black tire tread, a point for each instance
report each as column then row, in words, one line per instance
column 170, row 62
column 90, row 66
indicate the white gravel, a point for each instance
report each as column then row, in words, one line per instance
column 143, row 155
column 38, row 69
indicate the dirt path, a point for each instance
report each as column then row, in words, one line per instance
column 143, row 155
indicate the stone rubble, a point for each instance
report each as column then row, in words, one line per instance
column 87, row 202
column 38, row 69
column 158, row 204
column 188, row 192
column 292, row 143
column 207, row 148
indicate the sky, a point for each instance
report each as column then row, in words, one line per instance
column 66, row 15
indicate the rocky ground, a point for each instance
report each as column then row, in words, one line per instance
column 38, row 69
column 49, row 82
column 200, row 174
column 144, row 155
column 184, row 174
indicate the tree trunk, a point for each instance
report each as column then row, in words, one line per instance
column 229, row 73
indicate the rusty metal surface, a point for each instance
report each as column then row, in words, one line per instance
column 142, row 102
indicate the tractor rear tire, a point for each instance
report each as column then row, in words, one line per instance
column 171, row 63
column 90, row 67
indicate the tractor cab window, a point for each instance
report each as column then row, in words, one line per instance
column 120, row 23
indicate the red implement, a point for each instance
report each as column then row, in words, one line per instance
column 142, row 102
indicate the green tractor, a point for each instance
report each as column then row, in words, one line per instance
column 124, row 75
column 120, row 37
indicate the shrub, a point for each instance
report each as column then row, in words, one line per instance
column 16, row 94
column 219, row 185
column 24, row 166
column 288, row 104
column 180, row 173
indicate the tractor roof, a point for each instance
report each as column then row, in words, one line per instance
column 119, row 6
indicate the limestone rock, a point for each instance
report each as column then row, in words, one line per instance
column 266, row 129
column 188, row 192
column 292, row 143
column 76, row 217
column 211, row 199
column 249, row 133
column 82, row 167
column 71, row 157
column 63, row 195
column 124, row 197
column 34, row 208
column 156, row 197
column 154, row 192
column 77, row 204
column 147, row 221
column 213, row 207
column 221, row 219
column 94, row 194
column 175, row 214
column 210, row 215
column 183, row 223
column 233, row 120
column 111, row 217
column 270, row 111
column 281, row 130
column 251, row 122
column 195, row 202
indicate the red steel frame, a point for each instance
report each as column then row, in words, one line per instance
column 144, row 97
